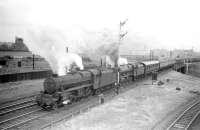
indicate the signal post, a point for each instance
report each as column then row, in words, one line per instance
column 121, row 35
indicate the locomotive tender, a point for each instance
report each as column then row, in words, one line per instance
column 76, row 85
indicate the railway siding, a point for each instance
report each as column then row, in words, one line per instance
column 19, row 112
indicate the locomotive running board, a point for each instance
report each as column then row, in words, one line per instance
column 82, row 86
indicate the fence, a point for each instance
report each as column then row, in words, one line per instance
column 52, row 124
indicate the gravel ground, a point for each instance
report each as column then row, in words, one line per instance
column 14, row 90
column 140, row 108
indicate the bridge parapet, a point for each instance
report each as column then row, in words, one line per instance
column 178, row 66
column 182, row 65
column 193, row 59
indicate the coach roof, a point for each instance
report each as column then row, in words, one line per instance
column 150, row 62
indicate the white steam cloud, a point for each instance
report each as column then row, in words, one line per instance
column 111, row 63
column 122, row 61
column 65, row 62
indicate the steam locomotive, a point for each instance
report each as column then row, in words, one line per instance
column 76, row 85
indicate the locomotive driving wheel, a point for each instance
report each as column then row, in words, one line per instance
column 54, row 106
column 38, row 103
column 98, row 91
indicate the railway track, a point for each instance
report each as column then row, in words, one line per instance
column 186, row 118
column 14, row 106
column 18, row 112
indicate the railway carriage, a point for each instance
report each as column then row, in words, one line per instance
column 151, row 66
column 166, row 64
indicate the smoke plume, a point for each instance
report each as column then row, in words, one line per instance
column 51, row 44
column 110, row 63
column 122, row 61
column 65, row 63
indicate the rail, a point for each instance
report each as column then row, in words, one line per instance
column 21, row 122
column 186, row 118
column 13, row 112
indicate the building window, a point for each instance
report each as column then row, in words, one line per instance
column 19, row 64
column 3, row 62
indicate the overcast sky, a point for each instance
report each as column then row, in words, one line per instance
column 151, row 23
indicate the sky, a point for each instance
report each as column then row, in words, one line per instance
column 151, row 24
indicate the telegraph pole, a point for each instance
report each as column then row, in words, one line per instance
column 116, row 61
column 150, row 55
